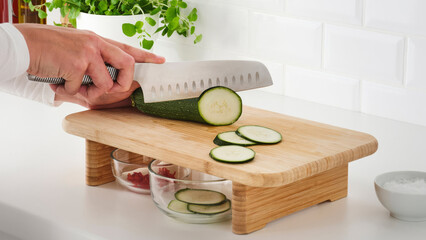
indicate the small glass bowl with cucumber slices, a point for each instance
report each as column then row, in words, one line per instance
column 190, row 196
column 131, row 170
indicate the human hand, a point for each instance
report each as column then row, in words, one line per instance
column 71, row 53
column 106, row 100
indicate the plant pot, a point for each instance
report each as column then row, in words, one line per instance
column 110, row 26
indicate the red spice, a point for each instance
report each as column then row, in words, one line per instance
column 166, row 173
column 142, row 181
column 139, row 180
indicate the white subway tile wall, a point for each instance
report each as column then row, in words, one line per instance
column 407, row 16
column 342, row 11
column 322, row 87
column 361, row 55
column 416, row 63
column 285, row 40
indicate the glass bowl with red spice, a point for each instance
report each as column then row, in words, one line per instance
column 188, row 195
column 131, row 170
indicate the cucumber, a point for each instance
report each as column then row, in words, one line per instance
column 259, row 134
column 210, row 209
column 215, row 106
column 232, row 154
column 200, row 196
column 178, row 206
column 231, row 138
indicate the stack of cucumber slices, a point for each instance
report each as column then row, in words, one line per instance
column 199, row 201
column 233, row 144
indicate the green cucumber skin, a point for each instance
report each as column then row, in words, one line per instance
column 209, row 204
column 230, row 162
column 219, row 160
column 184, row 109
column 227, row 200
column 257, row 142
column 221, row 142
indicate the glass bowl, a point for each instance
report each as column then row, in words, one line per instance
column 131, row 170
column 167, row 179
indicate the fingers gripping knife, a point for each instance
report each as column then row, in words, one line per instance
column 182, row 80
column 113, row 72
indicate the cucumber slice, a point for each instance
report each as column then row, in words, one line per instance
column 220, row 106
column 200, row 196
column 231, row 138
column 178, row 206
column 232, row 154
column 259, row 134
column 210, row 209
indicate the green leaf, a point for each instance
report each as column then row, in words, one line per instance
column 31, row 6
column 139, row 25
column 47, row 4
column 170, row 14
column 182, row 4
column 165, row 30
column 155, row 11
column 57, row 24
column 198, row 38
column 170, row 32
column 173, row 3
column 74, row 12
column 74, row 22
column 192, row 30
column 103, row 5
column 174, row 24
column 150, row 21
column 136, row 8
column 160, row 28
column 129, row 29
column 57, row 3
column 41, row 14
column 147, row 44
column 192, row 16
column 114, row 2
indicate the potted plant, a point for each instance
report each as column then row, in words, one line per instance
column 140, row 19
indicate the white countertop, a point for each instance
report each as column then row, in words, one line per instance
column 43, row 194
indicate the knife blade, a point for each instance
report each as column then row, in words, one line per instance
column 182, row 80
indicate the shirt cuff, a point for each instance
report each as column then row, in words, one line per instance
column 22, row 54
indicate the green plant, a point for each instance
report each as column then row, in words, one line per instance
column 169, row 13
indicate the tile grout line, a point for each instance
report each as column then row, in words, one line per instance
column 323, row 47
column 404, row 62
column 359, row 104
column 363, row 10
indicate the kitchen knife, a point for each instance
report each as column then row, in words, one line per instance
column 182, row 80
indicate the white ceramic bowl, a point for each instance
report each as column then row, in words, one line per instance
column 403, row 193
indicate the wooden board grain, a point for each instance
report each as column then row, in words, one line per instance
column 308, row 148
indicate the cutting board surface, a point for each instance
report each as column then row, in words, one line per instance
column 307, row 148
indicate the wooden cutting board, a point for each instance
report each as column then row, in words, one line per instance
column 308, row 148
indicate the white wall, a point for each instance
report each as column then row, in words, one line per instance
column 362, row 55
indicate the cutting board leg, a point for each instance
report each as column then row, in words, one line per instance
column 98, row 163
column 254, row 207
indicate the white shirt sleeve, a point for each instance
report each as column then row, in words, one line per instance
column 14, row 62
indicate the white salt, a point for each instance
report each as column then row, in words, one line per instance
column 407, row 185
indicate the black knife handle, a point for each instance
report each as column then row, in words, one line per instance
column 113, row 72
